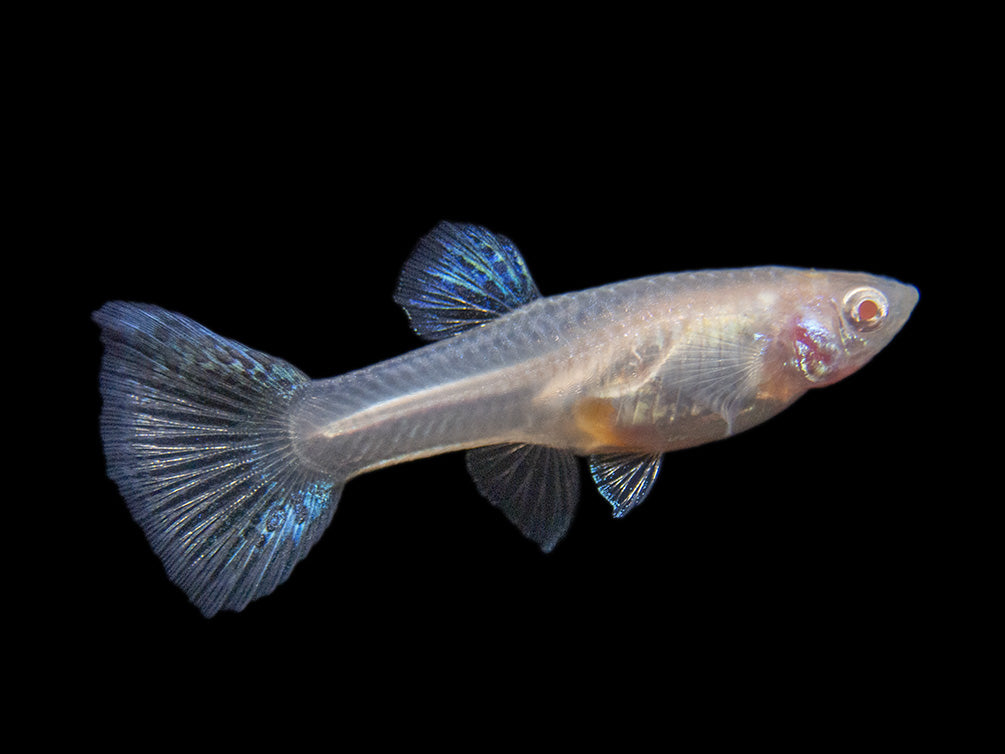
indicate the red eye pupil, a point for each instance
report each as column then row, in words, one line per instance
column 867, row 310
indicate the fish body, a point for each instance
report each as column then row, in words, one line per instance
column 233, row 461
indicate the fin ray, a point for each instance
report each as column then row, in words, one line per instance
column 195, row 437
column 536, row 487
column 460, row 276
column 719, row 373
column 625, row 479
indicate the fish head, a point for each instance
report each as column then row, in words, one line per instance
column 847, row 318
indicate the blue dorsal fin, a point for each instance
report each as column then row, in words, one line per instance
column 536, row 487
column 625, row 478
column 460, row 276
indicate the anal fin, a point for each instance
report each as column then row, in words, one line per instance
column 535, row 486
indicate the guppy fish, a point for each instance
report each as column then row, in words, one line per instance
column 232, row 461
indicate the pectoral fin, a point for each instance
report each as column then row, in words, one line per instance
column 536, row 487
column 625, row 478
column 719, row 373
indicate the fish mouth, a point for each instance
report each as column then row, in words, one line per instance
column 903, row 298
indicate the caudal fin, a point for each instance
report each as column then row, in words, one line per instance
column 196, row 438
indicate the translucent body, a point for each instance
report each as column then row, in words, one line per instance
column 647, row 365
column 233, row 461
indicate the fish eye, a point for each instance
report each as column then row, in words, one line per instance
column 865, row 308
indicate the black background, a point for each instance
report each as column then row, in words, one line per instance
column 280, row 217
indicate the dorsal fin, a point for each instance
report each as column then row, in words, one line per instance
column 460, row 276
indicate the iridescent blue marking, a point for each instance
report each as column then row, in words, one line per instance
column 292, row 514
column 625, row 479
column 196, row 438
column 459, row 277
